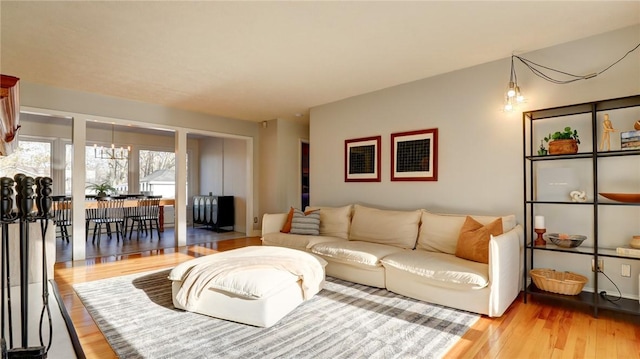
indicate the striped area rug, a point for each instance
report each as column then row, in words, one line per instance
column 344, row 320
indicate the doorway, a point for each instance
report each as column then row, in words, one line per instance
column 304, row 174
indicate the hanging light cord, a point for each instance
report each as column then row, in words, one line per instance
column 537, row 69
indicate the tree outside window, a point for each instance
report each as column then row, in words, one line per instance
column 33, row 158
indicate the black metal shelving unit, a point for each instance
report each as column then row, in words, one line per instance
column 590, row 299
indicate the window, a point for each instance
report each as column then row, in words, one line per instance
column 68, row 162
column 112, row 171
column 158, row 173
column 31, row 157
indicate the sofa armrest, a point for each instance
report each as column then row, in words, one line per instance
column 504, row 269
column 273, row 222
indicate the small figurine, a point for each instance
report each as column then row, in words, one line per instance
column 607, row 128
column 578, row 196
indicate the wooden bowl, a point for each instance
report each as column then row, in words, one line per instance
column 622, row 197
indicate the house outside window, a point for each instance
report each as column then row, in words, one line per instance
column 158, row 173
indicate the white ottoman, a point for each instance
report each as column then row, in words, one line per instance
column 254, row 285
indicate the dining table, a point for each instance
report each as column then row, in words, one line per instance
column 90, row 204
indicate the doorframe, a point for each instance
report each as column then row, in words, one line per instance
column 302, row 142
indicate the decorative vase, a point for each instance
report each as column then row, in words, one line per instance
column 560, row 147
column 637, row 125
column 635, row 242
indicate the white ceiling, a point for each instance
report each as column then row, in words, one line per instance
column 263, row 60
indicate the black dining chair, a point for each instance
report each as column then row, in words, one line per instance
column 110, row 211
column 62, row 217
column 147, row 212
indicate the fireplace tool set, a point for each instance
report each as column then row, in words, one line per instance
column 29, row 208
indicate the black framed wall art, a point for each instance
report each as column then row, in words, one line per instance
column 362, row 159
column 414, row 155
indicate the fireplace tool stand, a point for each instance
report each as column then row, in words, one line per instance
column 22, row 215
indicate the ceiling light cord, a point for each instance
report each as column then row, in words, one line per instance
column 537, row 69
column 515, row 97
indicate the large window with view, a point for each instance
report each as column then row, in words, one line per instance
column 157, row 173
column 31, row 157
column 113, row 172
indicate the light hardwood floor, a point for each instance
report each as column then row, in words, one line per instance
column 533, row 330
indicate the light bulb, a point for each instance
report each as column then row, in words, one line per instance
column 512, row 89
column 519, row 97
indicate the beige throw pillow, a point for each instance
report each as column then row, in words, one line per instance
column 439, row 232
column 394, row 228
column 473, row 242
column 334, row 221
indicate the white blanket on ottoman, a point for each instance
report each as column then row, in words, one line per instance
column 213, row 271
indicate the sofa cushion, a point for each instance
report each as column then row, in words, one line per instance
column 334, row 221
column 473, row 241
column 440, row 232
column 296, row 241
column 286, row 227
column 305, row 223
column 440, row 269
column 357, row 253
column 394, row 228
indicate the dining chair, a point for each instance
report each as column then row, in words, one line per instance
column 62, row 216
column 146, row 212
column 109, row 211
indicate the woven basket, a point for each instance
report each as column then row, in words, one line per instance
column 566, row 283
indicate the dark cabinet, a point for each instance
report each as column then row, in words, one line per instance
column 216, row 212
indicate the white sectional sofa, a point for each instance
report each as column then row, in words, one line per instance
column 413, row 253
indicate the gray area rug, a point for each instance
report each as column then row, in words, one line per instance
column 344, row 320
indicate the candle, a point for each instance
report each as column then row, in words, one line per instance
column 538, row 223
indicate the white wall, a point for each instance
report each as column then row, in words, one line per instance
column 480, row 147
column 234, row 175
column 211, row 162
column 223, row 163
column 280, row 180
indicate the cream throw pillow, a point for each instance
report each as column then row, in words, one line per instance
column 334, row 221
column 440, row 232
column 395, row 228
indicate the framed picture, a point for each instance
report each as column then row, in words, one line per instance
column 414, row 155
column 362, row 159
